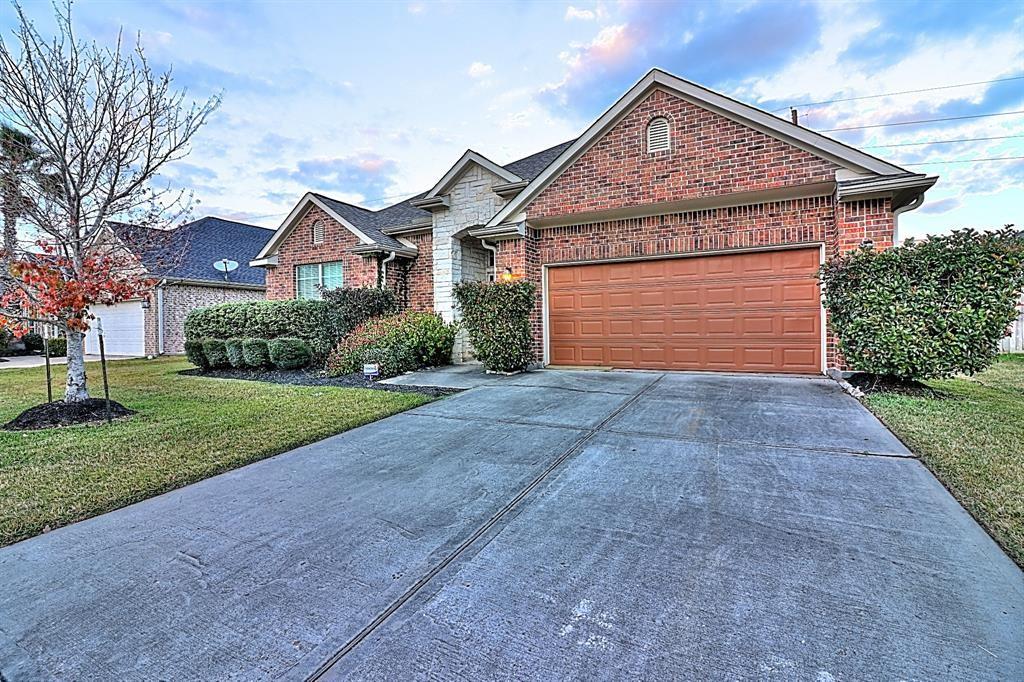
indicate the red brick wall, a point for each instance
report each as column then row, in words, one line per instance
column 419, row 278
column 710, row 155
column 298, row 249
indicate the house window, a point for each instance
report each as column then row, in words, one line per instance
column 658, row 139
column 311, row 278
column 318, row 232
column 491, row 266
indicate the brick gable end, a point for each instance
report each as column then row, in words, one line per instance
column 710, row 156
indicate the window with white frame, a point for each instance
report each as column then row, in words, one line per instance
column 318, row 232
column 312, row 277
column 658, row 138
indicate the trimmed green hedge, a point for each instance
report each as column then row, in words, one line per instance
column 233, row 347
column 497, row 317
column 926, row 309
column 216, row 354
column 194, row 353
column 57, row 347
column 398, row 343
column 319, row 323
column 289, row 353
column 256, row 353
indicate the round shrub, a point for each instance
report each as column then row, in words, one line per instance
column 216, row 354
column 33, row 342
column 289, row 353
column 926, row 309
column 194, row 353
column 497, row 317
column 256, row 353
column 398, row 343
column 233, row 348
column 57, row 347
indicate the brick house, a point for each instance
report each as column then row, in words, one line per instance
column 187, row 280
column 682, row 230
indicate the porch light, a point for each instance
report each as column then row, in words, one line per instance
column 509, row 276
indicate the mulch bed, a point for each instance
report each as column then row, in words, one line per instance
column 874, row 383
column 301, row 377
column 59, row 413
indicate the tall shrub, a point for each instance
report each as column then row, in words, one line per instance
column 926, row 309
column 497, row 317
column 356, row 305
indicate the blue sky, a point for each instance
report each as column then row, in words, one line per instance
column 372, row 102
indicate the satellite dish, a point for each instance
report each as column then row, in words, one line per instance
column 224, row 265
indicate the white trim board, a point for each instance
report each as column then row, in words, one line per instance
column 468, row 157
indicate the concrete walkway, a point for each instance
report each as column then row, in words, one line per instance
column 615, row 525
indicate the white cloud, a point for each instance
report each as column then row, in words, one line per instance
column 581, row 14
column 416, row 8
column 480, row 70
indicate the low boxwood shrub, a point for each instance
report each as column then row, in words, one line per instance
column 289, row 353
column 256, row 353
column 216, row 354
column 926, row 309
column 57, row 347
column 497, row 317
column 194, row 353
column 398, row 343
column 233, row 348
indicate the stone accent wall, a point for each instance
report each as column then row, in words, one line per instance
column 472, row 202
column 179, row 301
column 298, row 249
column 710, row 155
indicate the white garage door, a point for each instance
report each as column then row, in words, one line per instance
column 123, row 330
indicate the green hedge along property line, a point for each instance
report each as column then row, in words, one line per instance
column 396, row 343
column 497, row 317
column 319, row 323
column 927, row 309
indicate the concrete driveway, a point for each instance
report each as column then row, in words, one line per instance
column 552, row 525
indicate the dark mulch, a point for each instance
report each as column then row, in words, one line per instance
column 875, row 383
column 302, row 377
column 58, row 413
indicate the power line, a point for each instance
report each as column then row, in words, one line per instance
column 926, row 120
column 965, row 139
column 901, row 92
column 992, row 158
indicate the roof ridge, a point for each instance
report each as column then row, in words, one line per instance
column 229, row 220
column 546, row 149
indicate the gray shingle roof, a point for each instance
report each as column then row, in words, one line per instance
column 192, row 249
column 530, row 167
column 403, row 213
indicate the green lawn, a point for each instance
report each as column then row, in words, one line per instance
column 187, row 428
column 972, row 438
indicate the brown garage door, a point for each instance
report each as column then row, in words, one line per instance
column 748, row 312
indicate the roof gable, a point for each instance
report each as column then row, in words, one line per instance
column 468, row 158
column 824, row 147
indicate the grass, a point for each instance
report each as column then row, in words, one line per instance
column 971, row 436
column 187, row 429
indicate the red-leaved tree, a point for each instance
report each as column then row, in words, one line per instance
column 88, row 130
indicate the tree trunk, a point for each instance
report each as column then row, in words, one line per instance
column 75, row 389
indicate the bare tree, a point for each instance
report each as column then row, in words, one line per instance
column 106, row 123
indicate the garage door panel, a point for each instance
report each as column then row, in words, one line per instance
column 123, row 329
column 756, row 312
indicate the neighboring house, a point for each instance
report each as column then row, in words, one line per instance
column 187, row 279
column 682, row 230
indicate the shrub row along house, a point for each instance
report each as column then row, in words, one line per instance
column 682, row 230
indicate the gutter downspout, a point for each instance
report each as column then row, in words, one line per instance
column 494, row 252
column 160, row 317
column 918, row 200
column 384, row 270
